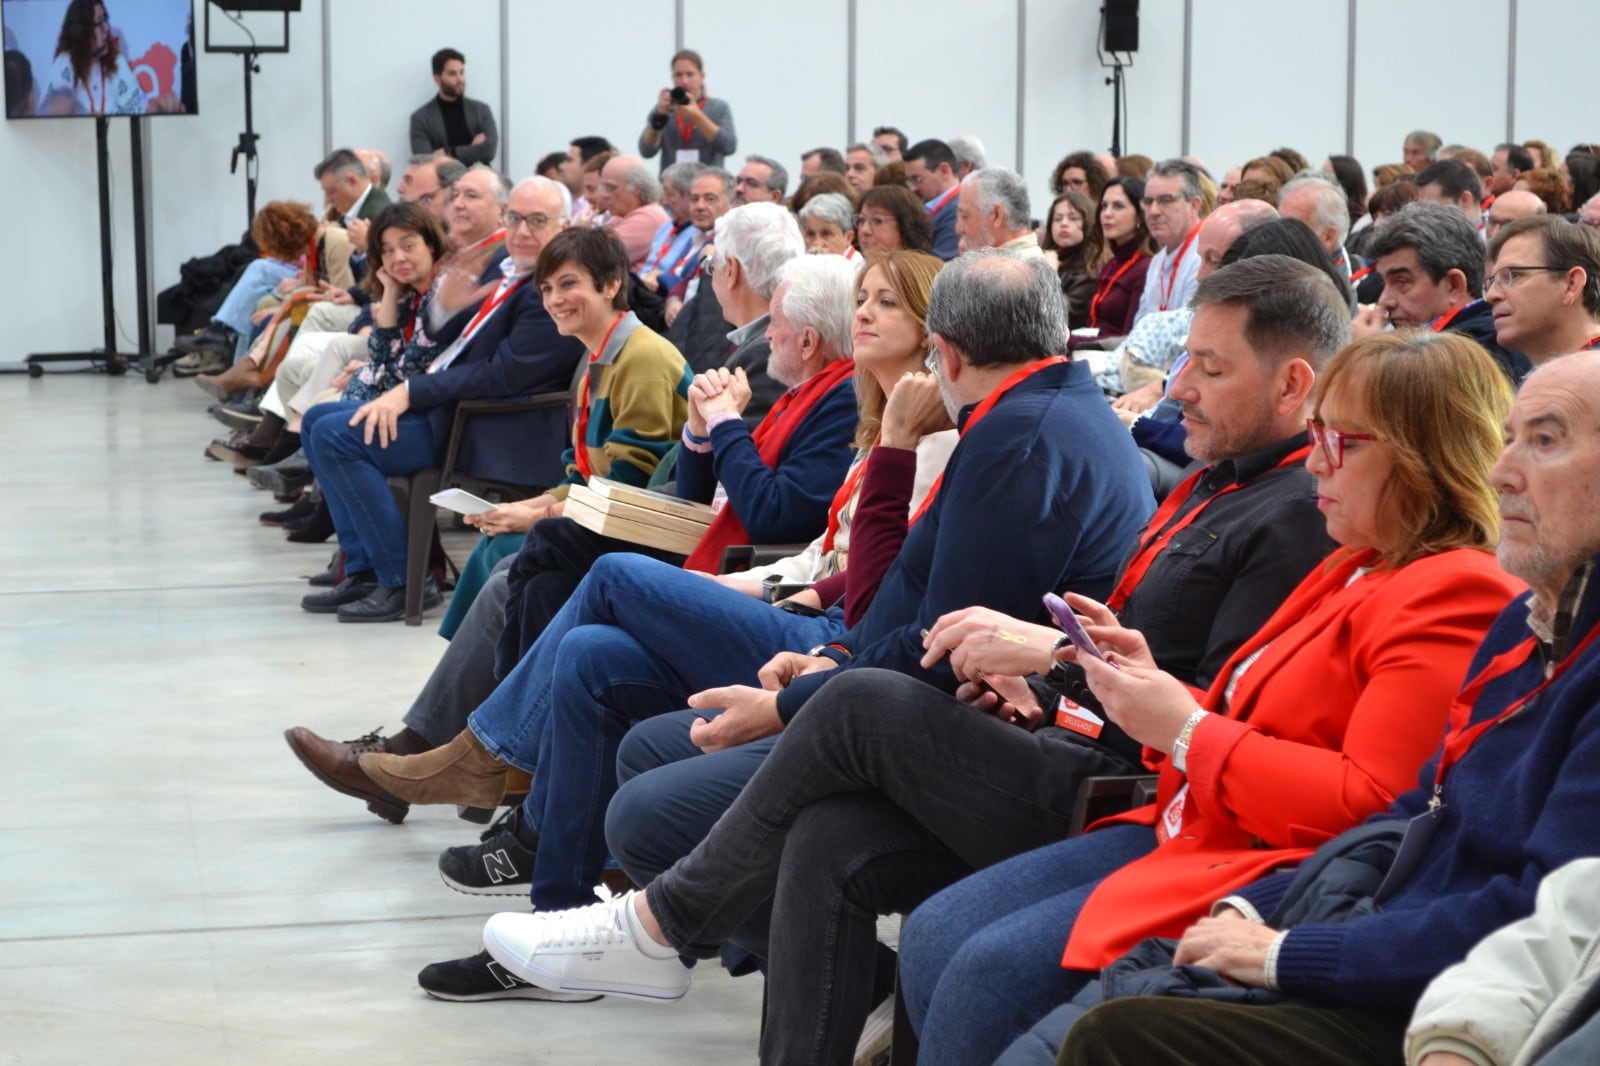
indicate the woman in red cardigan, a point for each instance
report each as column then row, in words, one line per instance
column 1316, row 722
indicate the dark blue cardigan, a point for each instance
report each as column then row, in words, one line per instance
column 1045, row 493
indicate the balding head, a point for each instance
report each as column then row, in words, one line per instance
column 1589, row 213
column 1224, row 226
column 626, row 184
column 1510, row 206
column 1548, row 477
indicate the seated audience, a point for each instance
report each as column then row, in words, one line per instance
column 1172, row 213
column 760, row 179
column 816, row 185
column 931, row 174
column 861, row 163
column 1544, row 286
column 710, row 197
column 855, row 820
column 1075, row 247
column 1080, row 172
column 1121, row 285
column 631, row 194
column 1548, row 186
column 1330, row 962
column 1450, row 181
column 1319, row 720
column 891, row 142
column 511, row 348
column 677, row 237
column 1321, row 204
column 993, row 212
column 1508, row 207
column 822, row 160
column 969, row 154
column 1431, row 263
column 1420, row 148
column 891, row 218
column 828, row 224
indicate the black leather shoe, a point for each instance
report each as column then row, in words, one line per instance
column 302, row 508
column 329, row 577
column 353, row 589
column 387, row 605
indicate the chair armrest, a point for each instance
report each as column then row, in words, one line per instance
column 1099, row 797
column 465, row 409
column 737, row 558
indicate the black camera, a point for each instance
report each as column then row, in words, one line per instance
column 680, row 95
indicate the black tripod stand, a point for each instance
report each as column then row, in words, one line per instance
column 107, row 358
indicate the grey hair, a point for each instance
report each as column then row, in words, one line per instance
column 762, row 237
column 1442, row 238
column 680, row 176
column 821, row 295
column 1428, row 140
column 501, row 184
column 447, row 170
column 423, row 158
column 1180, row 170
column 724, row 176
column 879, row 156
column 998, row 308
column 539, row 181
column 640, row 180
column 1332, row 205
column 1292, row 308
column 968, row 149
column 998, row 185
column 340, row 161
column 778, row 180
column 830, row 207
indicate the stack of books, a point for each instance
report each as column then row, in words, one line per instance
column 638, row 516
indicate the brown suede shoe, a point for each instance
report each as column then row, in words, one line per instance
column 461, row 772
column 334, row 763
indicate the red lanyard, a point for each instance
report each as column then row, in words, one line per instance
column 1105, row 290
column 1462, row 737
column 311, row 262
column 934, row 210
column 666, row 246
column 1161, row 534
column 1016, row 378
column 1363, row 272
column 1442, row 323
column 1172, row 275
column 580, row 451
column 501, row 295
column 686, row 129
column 840, row 498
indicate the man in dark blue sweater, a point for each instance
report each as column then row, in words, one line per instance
column 1513, row 794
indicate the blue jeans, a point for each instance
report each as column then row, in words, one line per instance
column 981, row 961
column 636, row 640
column 371, row 529
column 258, row 279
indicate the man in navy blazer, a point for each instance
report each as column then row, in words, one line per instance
column 931, row 173
column 510, row 348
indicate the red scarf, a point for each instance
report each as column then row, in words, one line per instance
column 770, row 437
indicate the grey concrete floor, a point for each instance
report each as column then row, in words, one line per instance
column 174, row 886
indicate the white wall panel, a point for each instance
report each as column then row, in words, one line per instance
column 1456, row 86
column 581, row 71
column 786, row 79
column 940, row 73
column 381, row 65
column 1069, row 104
column 1555, row 92
column 1266, row 74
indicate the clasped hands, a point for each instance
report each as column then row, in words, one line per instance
column 714, row 392
column 991, row 652
column 749, row 713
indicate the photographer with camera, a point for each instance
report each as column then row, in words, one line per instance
column 686, row 125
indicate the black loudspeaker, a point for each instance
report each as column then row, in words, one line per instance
column 258, row 5
column 1122, row 25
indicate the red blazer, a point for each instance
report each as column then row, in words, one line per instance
column 1346, row 702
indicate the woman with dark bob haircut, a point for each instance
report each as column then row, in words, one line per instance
column 891, row 218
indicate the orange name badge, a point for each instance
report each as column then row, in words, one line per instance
column 1171, row 823
column 1079, row 719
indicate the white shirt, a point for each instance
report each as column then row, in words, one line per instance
column 1160, row 274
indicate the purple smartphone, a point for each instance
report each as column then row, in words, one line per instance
column 1070, row 625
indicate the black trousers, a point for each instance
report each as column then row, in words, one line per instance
column 1189, row 1032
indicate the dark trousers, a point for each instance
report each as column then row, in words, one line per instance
column 554, row 557
column 1189, row 1032
column 880, row 792
column 464, row 677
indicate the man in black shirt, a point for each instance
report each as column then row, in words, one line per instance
column 451, row 123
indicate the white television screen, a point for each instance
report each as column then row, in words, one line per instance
column 90, row 58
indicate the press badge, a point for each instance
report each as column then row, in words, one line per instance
column 1079, row 719
column 1413, row 846
column 1171, row 823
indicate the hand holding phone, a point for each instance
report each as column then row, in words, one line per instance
column 1068, row 621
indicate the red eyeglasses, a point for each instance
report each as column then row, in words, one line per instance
column 1332, row 441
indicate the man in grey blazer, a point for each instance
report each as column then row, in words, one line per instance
column 451, row 123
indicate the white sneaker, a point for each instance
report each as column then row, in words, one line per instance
column 586, row 949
